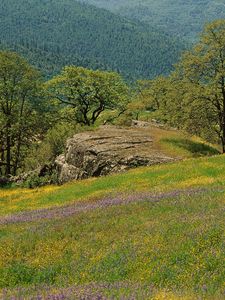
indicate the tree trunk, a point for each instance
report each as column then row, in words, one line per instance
column 223, row 117
column 17, row 155
column 223, row 144
column 8, row 150
column 19, row 139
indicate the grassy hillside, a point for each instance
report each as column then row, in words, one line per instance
column 150, row 233
column 68, row 32
column 183, row 18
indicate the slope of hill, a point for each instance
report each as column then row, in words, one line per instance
column 71, row 32
column 111, row 149
column 183, row 18
column 47, row 62
column 150, row 233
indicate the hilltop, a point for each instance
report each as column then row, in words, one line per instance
column 52, row 34
column 114, row 149
column 181, row 18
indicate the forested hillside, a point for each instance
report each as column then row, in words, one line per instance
column 47, row 61
column 183, row 18
column 54, row 33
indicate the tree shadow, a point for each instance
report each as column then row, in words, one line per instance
column 196, row 148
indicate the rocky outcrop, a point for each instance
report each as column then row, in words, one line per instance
column 41, row 176
column 108, row 150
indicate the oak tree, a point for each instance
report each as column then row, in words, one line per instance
column 88, row 92
column 201, row 75
column 18, row 89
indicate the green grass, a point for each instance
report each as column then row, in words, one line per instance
column 172, row 249
column 184, row 174
column 195, row 148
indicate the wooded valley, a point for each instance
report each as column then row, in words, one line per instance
column 176, row 17
column 38, row 115
column 52, row 34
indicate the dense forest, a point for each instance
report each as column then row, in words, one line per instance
column 47, row 62
column 37, row 115
column 177, row 17
column 51, row 34
column 67, row 65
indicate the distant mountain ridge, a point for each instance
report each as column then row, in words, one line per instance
column 53, row 33
column 177, row 17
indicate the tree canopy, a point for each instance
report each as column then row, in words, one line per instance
column 88, row 92
column 176, row 17
column 52, row 34
column 193, row 97
column 19, row 84
column 32, row 112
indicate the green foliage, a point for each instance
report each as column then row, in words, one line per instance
column 88, row 92
column 20, row 104
column 35, row 181
column 52, row 34
column 201, row 73
column 183, row 18
column 19, row 273
column 53, row 144
column 193, row 97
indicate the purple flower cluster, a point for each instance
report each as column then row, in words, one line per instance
column 94, row 291
column 75, row 208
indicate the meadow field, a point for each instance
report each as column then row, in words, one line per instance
column 150, row 233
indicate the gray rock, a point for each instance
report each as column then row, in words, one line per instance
column 140, row 124
column 108, row 150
